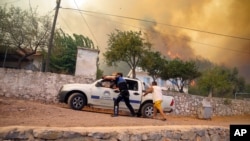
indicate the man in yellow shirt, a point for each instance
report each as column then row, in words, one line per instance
column 157, row 99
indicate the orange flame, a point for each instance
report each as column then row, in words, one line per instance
column 173, row 55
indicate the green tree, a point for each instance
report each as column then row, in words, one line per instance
column 238, row 83
column 63, row 58
column 247, row 88
column 215, row 79
column 24, row 31
column 153, row 63
column 3, row 20
column 83, row 41
column 180, row 72
column 127, row 46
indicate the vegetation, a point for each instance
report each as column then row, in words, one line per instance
column 63, row 58
column 23, row 31
column 127, row 46
column 153, row 63
column 180, row 73
column 215, row 79
column 26, row 32
column 219, row 82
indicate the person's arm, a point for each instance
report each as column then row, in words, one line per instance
column 149, row 90
column 108, row 77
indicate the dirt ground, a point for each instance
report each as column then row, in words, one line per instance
column 16, row 112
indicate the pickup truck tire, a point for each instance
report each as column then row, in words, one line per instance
column 147, row 110
column 76, row 101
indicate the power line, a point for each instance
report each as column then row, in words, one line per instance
column 238, row 51
column 221, row 47
column 231, row 36
column 112, row 21
column 86, row 23
column 65, row 22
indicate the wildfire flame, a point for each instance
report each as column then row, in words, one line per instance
column 192, row 83
column 173, row 55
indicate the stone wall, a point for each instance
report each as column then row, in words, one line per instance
column 38, row 86
column 187, row 104
column 141, row 133
column 44, row 87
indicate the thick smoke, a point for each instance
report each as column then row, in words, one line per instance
column 228, row 17
column 171, row 44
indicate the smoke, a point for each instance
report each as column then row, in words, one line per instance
column 227, row 17
column 223, row 17
column 171, row 44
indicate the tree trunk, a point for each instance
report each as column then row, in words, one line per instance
column 210, row 93
column 133, row 73
column 20, row 60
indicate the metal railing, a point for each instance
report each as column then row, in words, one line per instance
column 237, row 93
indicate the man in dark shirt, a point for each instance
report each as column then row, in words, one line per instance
column 121, row 84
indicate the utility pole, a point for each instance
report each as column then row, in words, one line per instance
column 52, row 36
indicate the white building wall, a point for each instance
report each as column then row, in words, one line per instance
column 86, row 62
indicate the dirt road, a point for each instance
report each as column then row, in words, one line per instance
column 30, row 113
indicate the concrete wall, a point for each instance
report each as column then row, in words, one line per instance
column 44, row 87
column 86, row 62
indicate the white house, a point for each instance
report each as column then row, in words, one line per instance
column 165, row 84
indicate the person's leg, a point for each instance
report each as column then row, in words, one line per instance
column 127, row 102
column 162, row 113
column 155, row 111
column 116, row 105
column 158, row 106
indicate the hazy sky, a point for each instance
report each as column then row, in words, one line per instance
column 218, row 30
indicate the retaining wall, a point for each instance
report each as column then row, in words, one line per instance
column 189, row 105
column 142, row 133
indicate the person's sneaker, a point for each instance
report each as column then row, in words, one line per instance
column 112, row 115
column 164, row 119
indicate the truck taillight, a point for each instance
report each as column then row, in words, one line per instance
column 172, row 102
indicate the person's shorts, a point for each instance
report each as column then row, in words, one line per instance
column 157, row 104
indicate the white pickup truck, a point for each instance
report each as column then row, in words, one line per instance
column 100, row 94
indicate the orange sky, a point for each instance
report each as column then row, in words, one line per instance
column 227, row 17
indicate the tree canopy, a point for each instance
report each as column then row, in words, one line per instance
column 220, row 81
column 23, row 31
column 126, row 46
column 63, row 58
column 214, row 79
column 181, row 73
column 153, row 63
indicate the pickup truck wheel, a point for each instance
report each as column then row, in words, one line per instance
column 76, row 101
column 147, row 110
